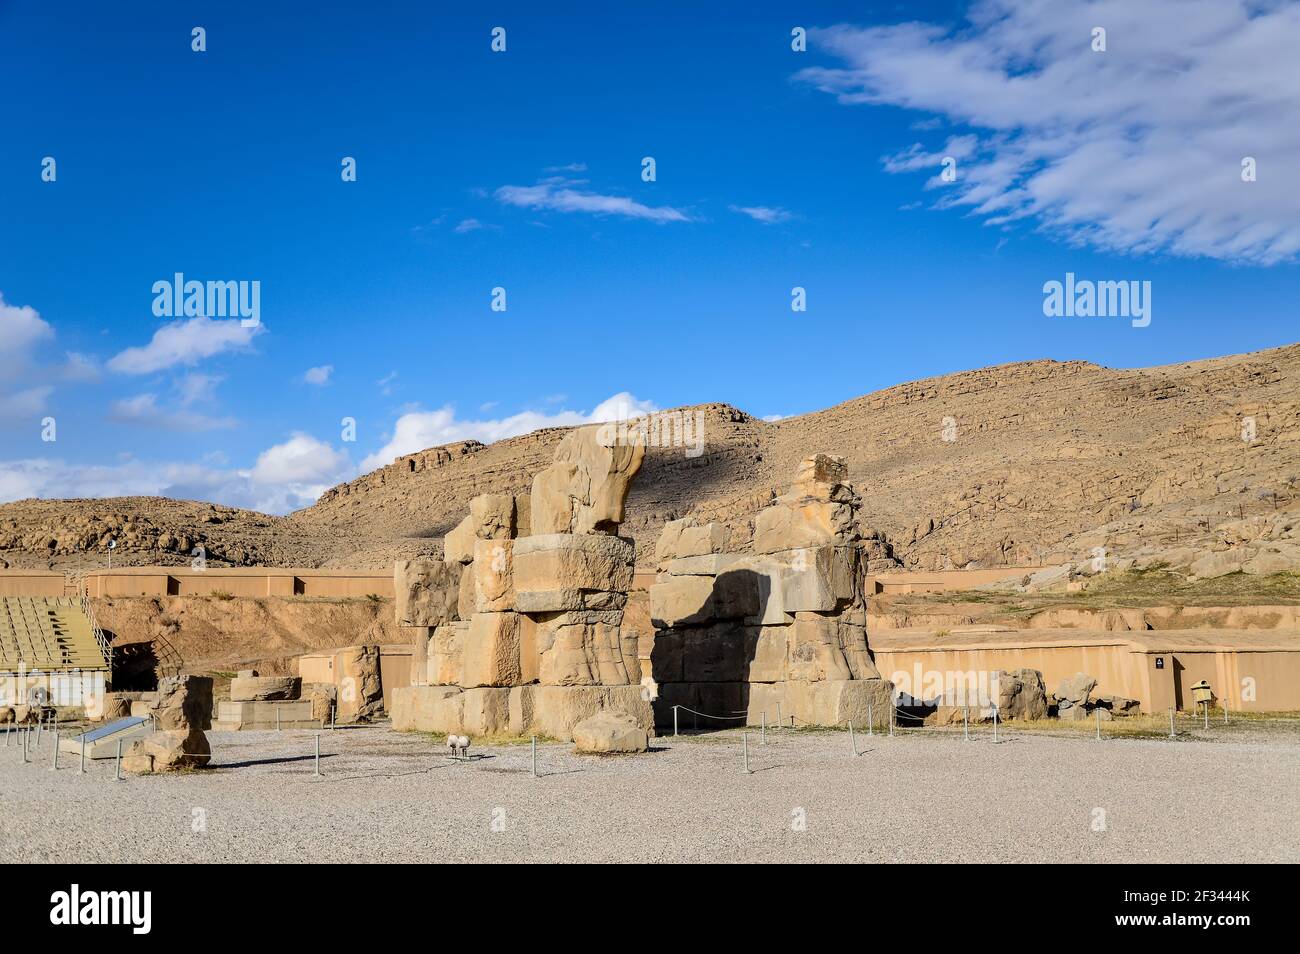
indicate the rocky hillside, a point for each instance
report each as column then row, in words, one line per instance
column 1016, row 464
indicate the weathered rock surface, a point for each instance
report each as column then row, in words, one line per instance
column 427, row 592
column 264, row 688
column 609, row 733
column 167, row 750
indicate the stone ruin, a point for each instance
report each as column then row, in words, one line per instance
column 779, row 633
column 182, row 711
column 274, row 702
column 519, row 627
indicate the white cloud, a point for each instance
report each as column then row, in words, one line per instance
column 28, row 403
column 79, row 367
column 319, row 375
column 468, row 225
column 195, row 387
column 416, row 430
column 21, row 329
column 560, row 196
column 144, row 409
column 1137, row 149
column 762, row 213
column 300, row 460
column 386, row 383
column 286, row 477
column 184, row 343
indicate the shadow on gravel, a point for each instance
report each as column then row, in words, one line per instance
column 281, row 760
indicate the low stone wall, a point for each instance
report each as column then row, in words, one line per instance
column 183, row 581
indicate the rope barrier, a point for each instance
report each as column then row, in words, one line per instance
column 708, row 715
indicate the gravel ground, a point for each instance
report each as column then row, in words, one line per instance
column 919, row 797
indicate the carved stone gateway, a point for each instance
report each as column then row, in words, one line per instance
column 527, row 637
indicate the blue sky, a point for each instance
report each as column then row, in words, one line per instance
column 522, row 169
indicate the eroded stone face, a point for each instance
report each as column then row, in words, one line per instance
column 426, row 591
column 585, row 489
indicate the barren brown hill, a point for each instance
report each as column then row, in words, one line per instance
column 1015, row 464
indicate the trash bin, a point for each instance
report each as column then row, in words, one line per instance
column 1201, row 692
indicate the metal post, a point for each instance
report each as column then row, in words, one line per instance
column 745, row 749
column 54, row 763
column 39, row 723
column 779, row 719
column 675, row 721
column 995, row 725
column 534, row 756
column 764, row 730
column 1225, row 711
column 1171, row 722
column 118, row 775
column 7, row 739
column 1099, row 723
column 318, row 753
column 871, row 719
column 965, row 721
column 333, row 712
column 1207, row 715
column 891, row 719
column 83, row 753
column 27, row 738
column 853, row 741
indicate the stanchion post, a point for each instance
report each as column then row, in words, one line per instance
column 675, row 708
column 965, row 721
column 871, row 719
column 744, row 747
column 1225, row 711
column 83, row 753
column 117, row 774
column 853, row 741
column 1207, row 715
column 534, row 756
column 764, row 729
column 54, row 762
column 333, row 713
column 1171, row 722
column 277, row 718
column 995, row 725
column 1099, row 723
column 318, row 754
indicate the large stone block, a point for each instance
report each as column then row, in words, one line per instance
column 821, row 477
column 586, row 488
column 1021, row 694
column 427, row 708
column 446, row 654
column 819, row 579
column 426, row 592
column 581, row 648
column 709, row 564
column 486, row 711
column 467, row 593
column 666, row 663
column 610, row 733
column 361, row 694
column 183, row 703
column 815, row 652
column 168, row 750
column 786, row 526
column 264, row 688
column 835, row 702
column 682, row 538
column 494, row 576
column 490, row 652
column 555, row 572
column 853, row 643
column 490, row 517
column 767, row 649
column 696, row 600
column 714, row 653
column 554, row 710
